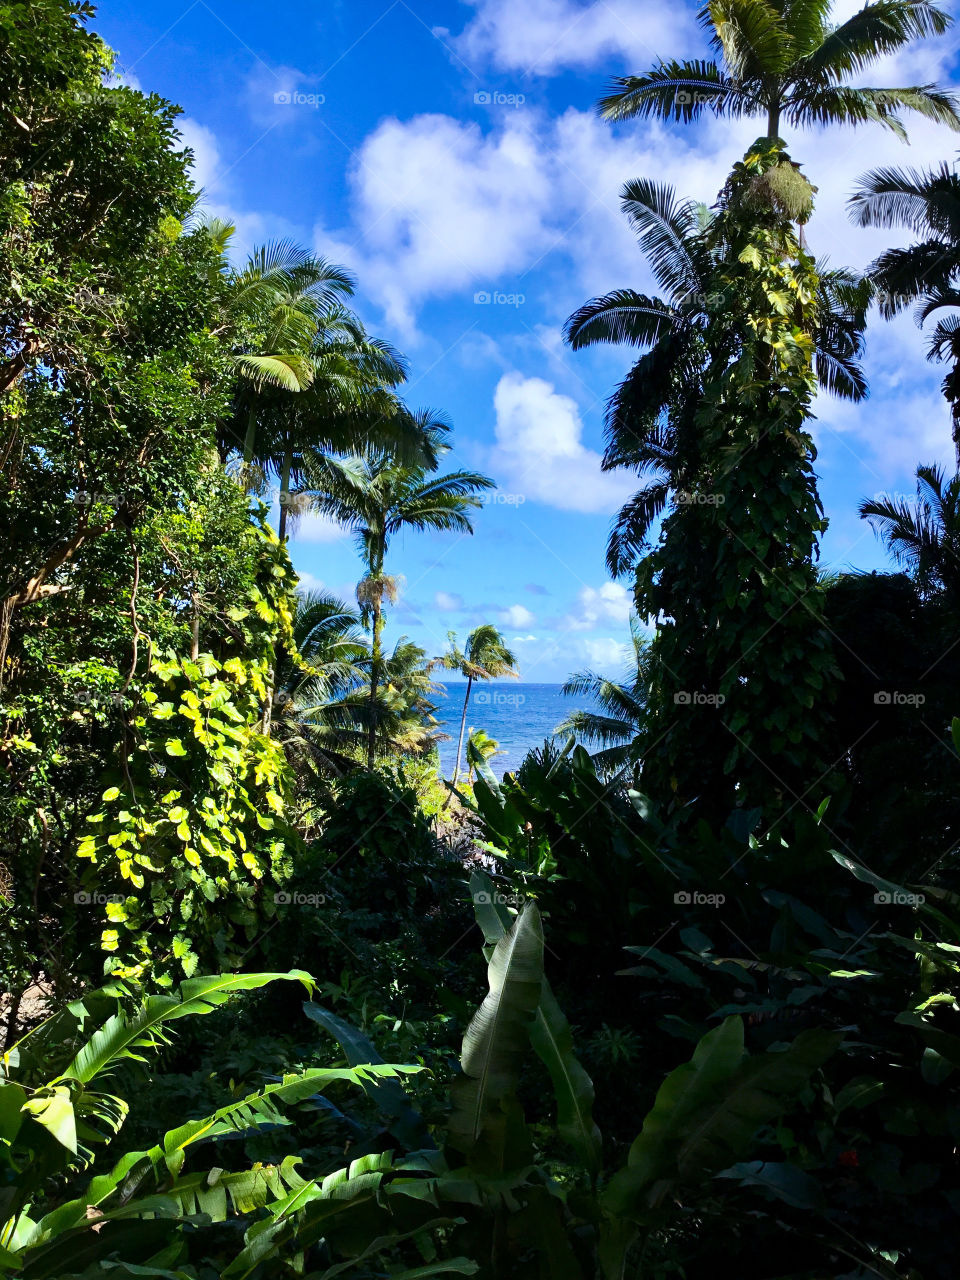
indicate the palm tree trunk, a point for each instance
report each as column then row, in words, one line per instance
column 375, row 658
column 773, row 120
column 463, row 725
column 285, row 492
column 249, row 443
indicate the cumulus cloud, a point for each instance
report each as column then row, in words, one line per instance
column 543, row 37
column 540, row 453
column 217, row 200
column 318, row 528
column 596, row 606
column 517, row 616
column 607, row 656
column 440, row 206
column 448, row 601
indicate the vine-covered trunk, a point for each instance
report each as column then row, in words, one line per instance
column 739, row 712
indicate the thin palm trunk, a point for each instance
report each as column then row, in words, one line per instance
column 463, row 724
column 773, row 120
column 285, row 492
column 376, row 654
column 249, row 443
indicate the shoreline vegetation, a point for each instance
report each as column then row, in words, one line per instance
column 671, row 994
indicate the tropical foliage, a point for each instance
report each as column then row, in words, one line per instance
column 677, row 995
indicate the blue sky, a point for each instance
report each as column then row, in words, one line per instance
column 448, row 153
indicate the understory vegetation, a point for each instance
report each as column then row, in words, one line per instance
column 676, row 997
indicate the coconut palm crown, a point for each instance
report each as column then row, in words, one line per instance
column 784, row 60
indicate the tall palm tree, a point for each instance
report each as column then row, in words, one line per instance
column 484, row 657
column 310, row 691
column 350, row 404
column 376, row 495
column 616, row 723
column 785, row 61
column 640, row 432
column 923, row 536
column 927, row 272
column 270, row 308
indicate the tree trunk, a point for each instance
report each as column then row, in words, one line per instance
column 249, row 444
column 285, row 493
column 773, row 120
column 375, row 659
column 463, row 725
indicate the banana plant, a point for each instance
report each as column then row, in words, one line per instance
column 507, row 1213
column 53, row 1121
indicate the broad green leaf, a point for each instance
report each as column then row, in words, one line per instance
column 486, row 1124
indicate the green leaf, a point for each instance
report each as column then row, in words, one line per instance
column 121, row 1035
column 12, row 1098
column 551, row 1038
column 486, row 1124
column 400, row 1118
column 53, row 1108
column 707, row 1111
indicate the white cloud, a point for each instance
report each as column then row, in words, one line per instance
column 905, row 421
column 597, row 606
column 309, row 581
column 217, row 200
column 206, row 152
column 517, row 616
column 318, row 528
column 542, row 37
column 539, row 452
column 440, row 206
column 448, row 601
column 607, row 656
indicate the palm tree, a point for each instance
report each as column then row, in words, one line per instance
column 376, row 495
column 485, row 657
column 350, row 404
column 480, row 748
column 310, row 688
column 650, row 420
column 923, row 536
column 928, row 272
column 617, row 723
column 270, row 308
column 784, row 60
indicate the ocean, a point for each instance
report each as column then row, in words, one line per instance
column 518, row 715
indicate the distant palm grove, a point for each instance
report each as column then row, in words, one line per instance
column 675, row 998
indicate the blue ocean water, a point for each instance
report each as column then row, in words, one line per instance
column 518, row 715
